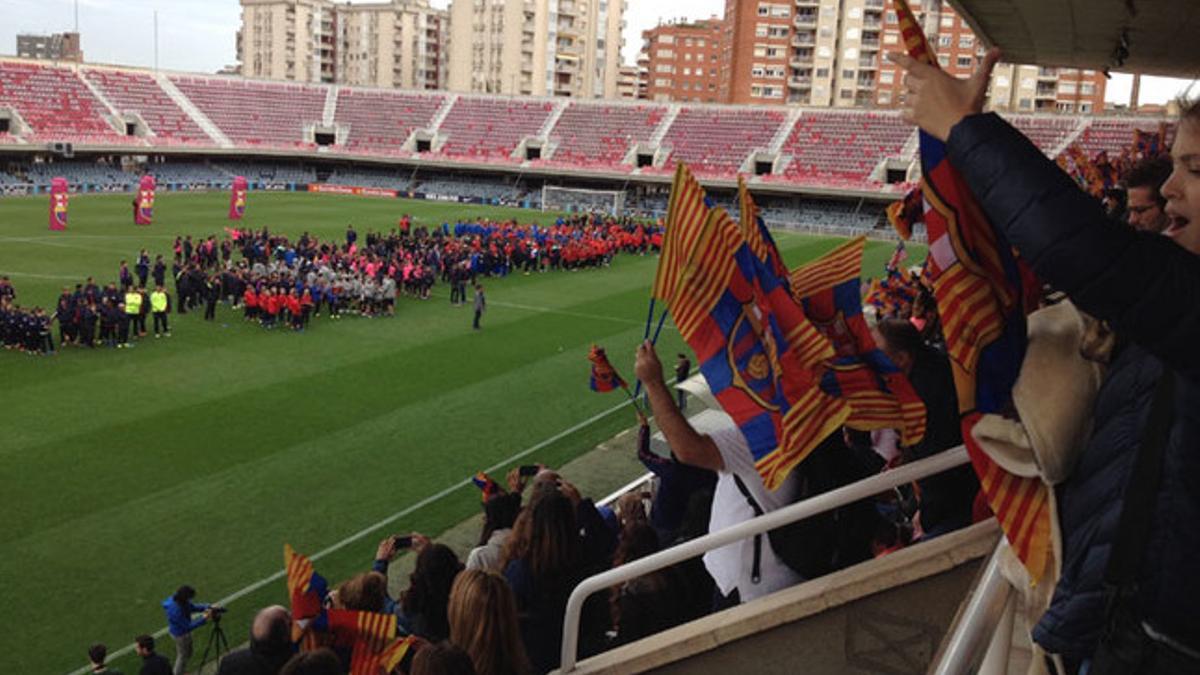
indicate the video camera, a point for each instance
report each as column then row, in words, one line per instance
column 215, row 612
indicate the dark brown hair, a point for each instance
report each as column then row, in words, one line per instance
column 366, row 592
column 546, row 537
column 443, row 658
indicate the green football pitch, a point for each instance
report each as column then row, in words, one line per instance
column 193, row 459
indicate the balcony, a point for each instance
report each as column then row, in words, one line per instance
column 800, row 82
column 805, row 20
column 867, row 64
column 804, row 41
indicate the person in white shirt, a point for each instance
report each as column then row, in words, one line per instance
column 747, row 569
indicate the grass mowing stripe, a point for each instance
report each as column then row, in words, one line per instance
column 236, row 595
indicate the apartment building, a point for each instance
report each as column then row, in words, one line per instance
column 54, row 47
column 536, row 47
column 399, row 44
column 681, row 61
column 830, row 53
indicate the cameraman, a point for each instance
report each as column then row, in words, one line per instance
column 180, row 622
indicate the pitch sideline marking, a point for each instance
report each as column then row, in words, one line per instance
column 236, row 595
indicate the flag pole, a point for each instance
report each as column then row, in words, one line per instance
column 638, row 389
column 658, row 330
column 649, row 319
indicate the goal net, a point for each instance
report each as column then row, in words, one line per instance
column 580, row 200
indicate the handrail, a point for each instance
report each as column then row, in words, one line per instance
column 619, row 492
column 969, row 640
column 813, row 506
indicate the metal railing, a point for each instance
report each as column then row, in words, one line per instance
column 808, row 508
column 975, row 638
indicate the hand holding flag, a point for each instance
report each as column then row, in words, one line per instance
column 487, row 487
column 937, row 100
column 605, row 377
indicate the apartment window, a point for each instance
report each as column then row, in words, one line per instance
column 687, row 56
column 664, row 68
column 666, row 54
column 756, row 71
column 891, row 39
column 781, row 11
column 847, row 74
column 773, row 52
column 853, row 33
column 667, row 39
column 825, row 32
column 1027, row 83
column 760, row 30
column 662, row 82
column 944, row 60
column 822, row 72
column 890, row 16
column 1025, row 104
column 700, row 42
column 944, row 40
column 855, row 12
column 688, row 42
column 966, row 41
column 885, row 97
column 760, row 50
column 947, row 21
column 756, row 91
column 1085, row 107
column 764, row 10
column 778, row 32
column 1066, row 107
column 824, row 52
column 1066, row 88
column 1087, row 88
column 846, row 94
column 965, row 61
column 887, row 77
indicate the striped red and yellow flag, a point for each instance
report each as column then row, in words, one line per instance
column 688, row 217
column 982, row 294
column 368, row 634
column 394, row 653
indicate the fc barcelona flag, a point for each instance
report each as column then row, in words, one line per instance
column 906, row 213
column 879, row 394
column 143, row 203
column 604, row 376
column 59, row 198
column 488, row 488
column 368, row 636
column 237, row 198
column 758, row 237
column 306, row 590
column 980, row 289
column 755, row 348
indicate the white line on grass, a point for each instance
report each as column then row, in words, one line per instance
column 236, row 595
column 9, row 273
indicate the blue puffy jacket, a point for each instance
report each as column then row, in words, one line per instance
column 1148, row 289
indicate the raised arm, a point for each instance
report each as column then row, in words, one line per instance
column 689, row 446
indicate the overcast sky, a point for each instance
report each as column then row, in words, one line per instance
column 198, row 35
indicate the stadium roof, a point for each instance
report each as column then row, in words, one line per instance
column 1156, row 37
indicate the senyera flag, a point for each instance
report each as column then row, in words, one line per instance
column 306, row 592
column 983, row 294
column 754, row 346
column 880, row 395
column 59, row 199
column 368, row 636
column 237, row 198
column 604, row 376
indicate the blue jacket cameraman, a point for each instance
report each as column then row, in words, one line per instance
column 182, row 620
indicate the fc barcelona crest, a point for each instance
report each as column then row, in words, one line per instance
column 753, row 358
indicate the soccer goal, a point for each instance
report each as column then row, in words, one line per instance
column 579, row 200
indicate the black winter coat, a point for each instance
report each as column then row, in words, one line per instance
column 1148, row 289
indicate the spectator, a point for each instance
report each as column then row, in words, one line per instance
column 422, row 608
column 1145, row 201
column 483, row 621
column 544, row 559
column 1133, row 280
column 945, row 499
column 97, row 653
column 677, row 482
column 650, row 603
column 270, row 645
column 366, row 592
column 443, row 658
column 683, row 368
column 318, row 662
column 499, row 514
column 748, row 569
column 152, row 663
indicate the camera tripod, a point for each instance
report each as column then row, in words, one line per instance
column 216, row 638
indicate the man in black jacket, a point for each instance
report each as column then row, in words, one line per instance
column 1146, row 286
column 270, row 645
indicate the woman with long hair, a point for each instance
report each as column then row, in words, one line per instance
column 422, row 609
column 483, row 621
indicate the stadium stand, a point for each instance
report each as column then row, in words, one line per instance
column 716, row 141
column 136, row 92
column 1116, row 134
column 489, row 129
column 269, row 173
column 1046, row 132
column 255, row 113
column 842, row 146
column 381, row 121
column 591, row 135
column 81, row 172
column 54, row 102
